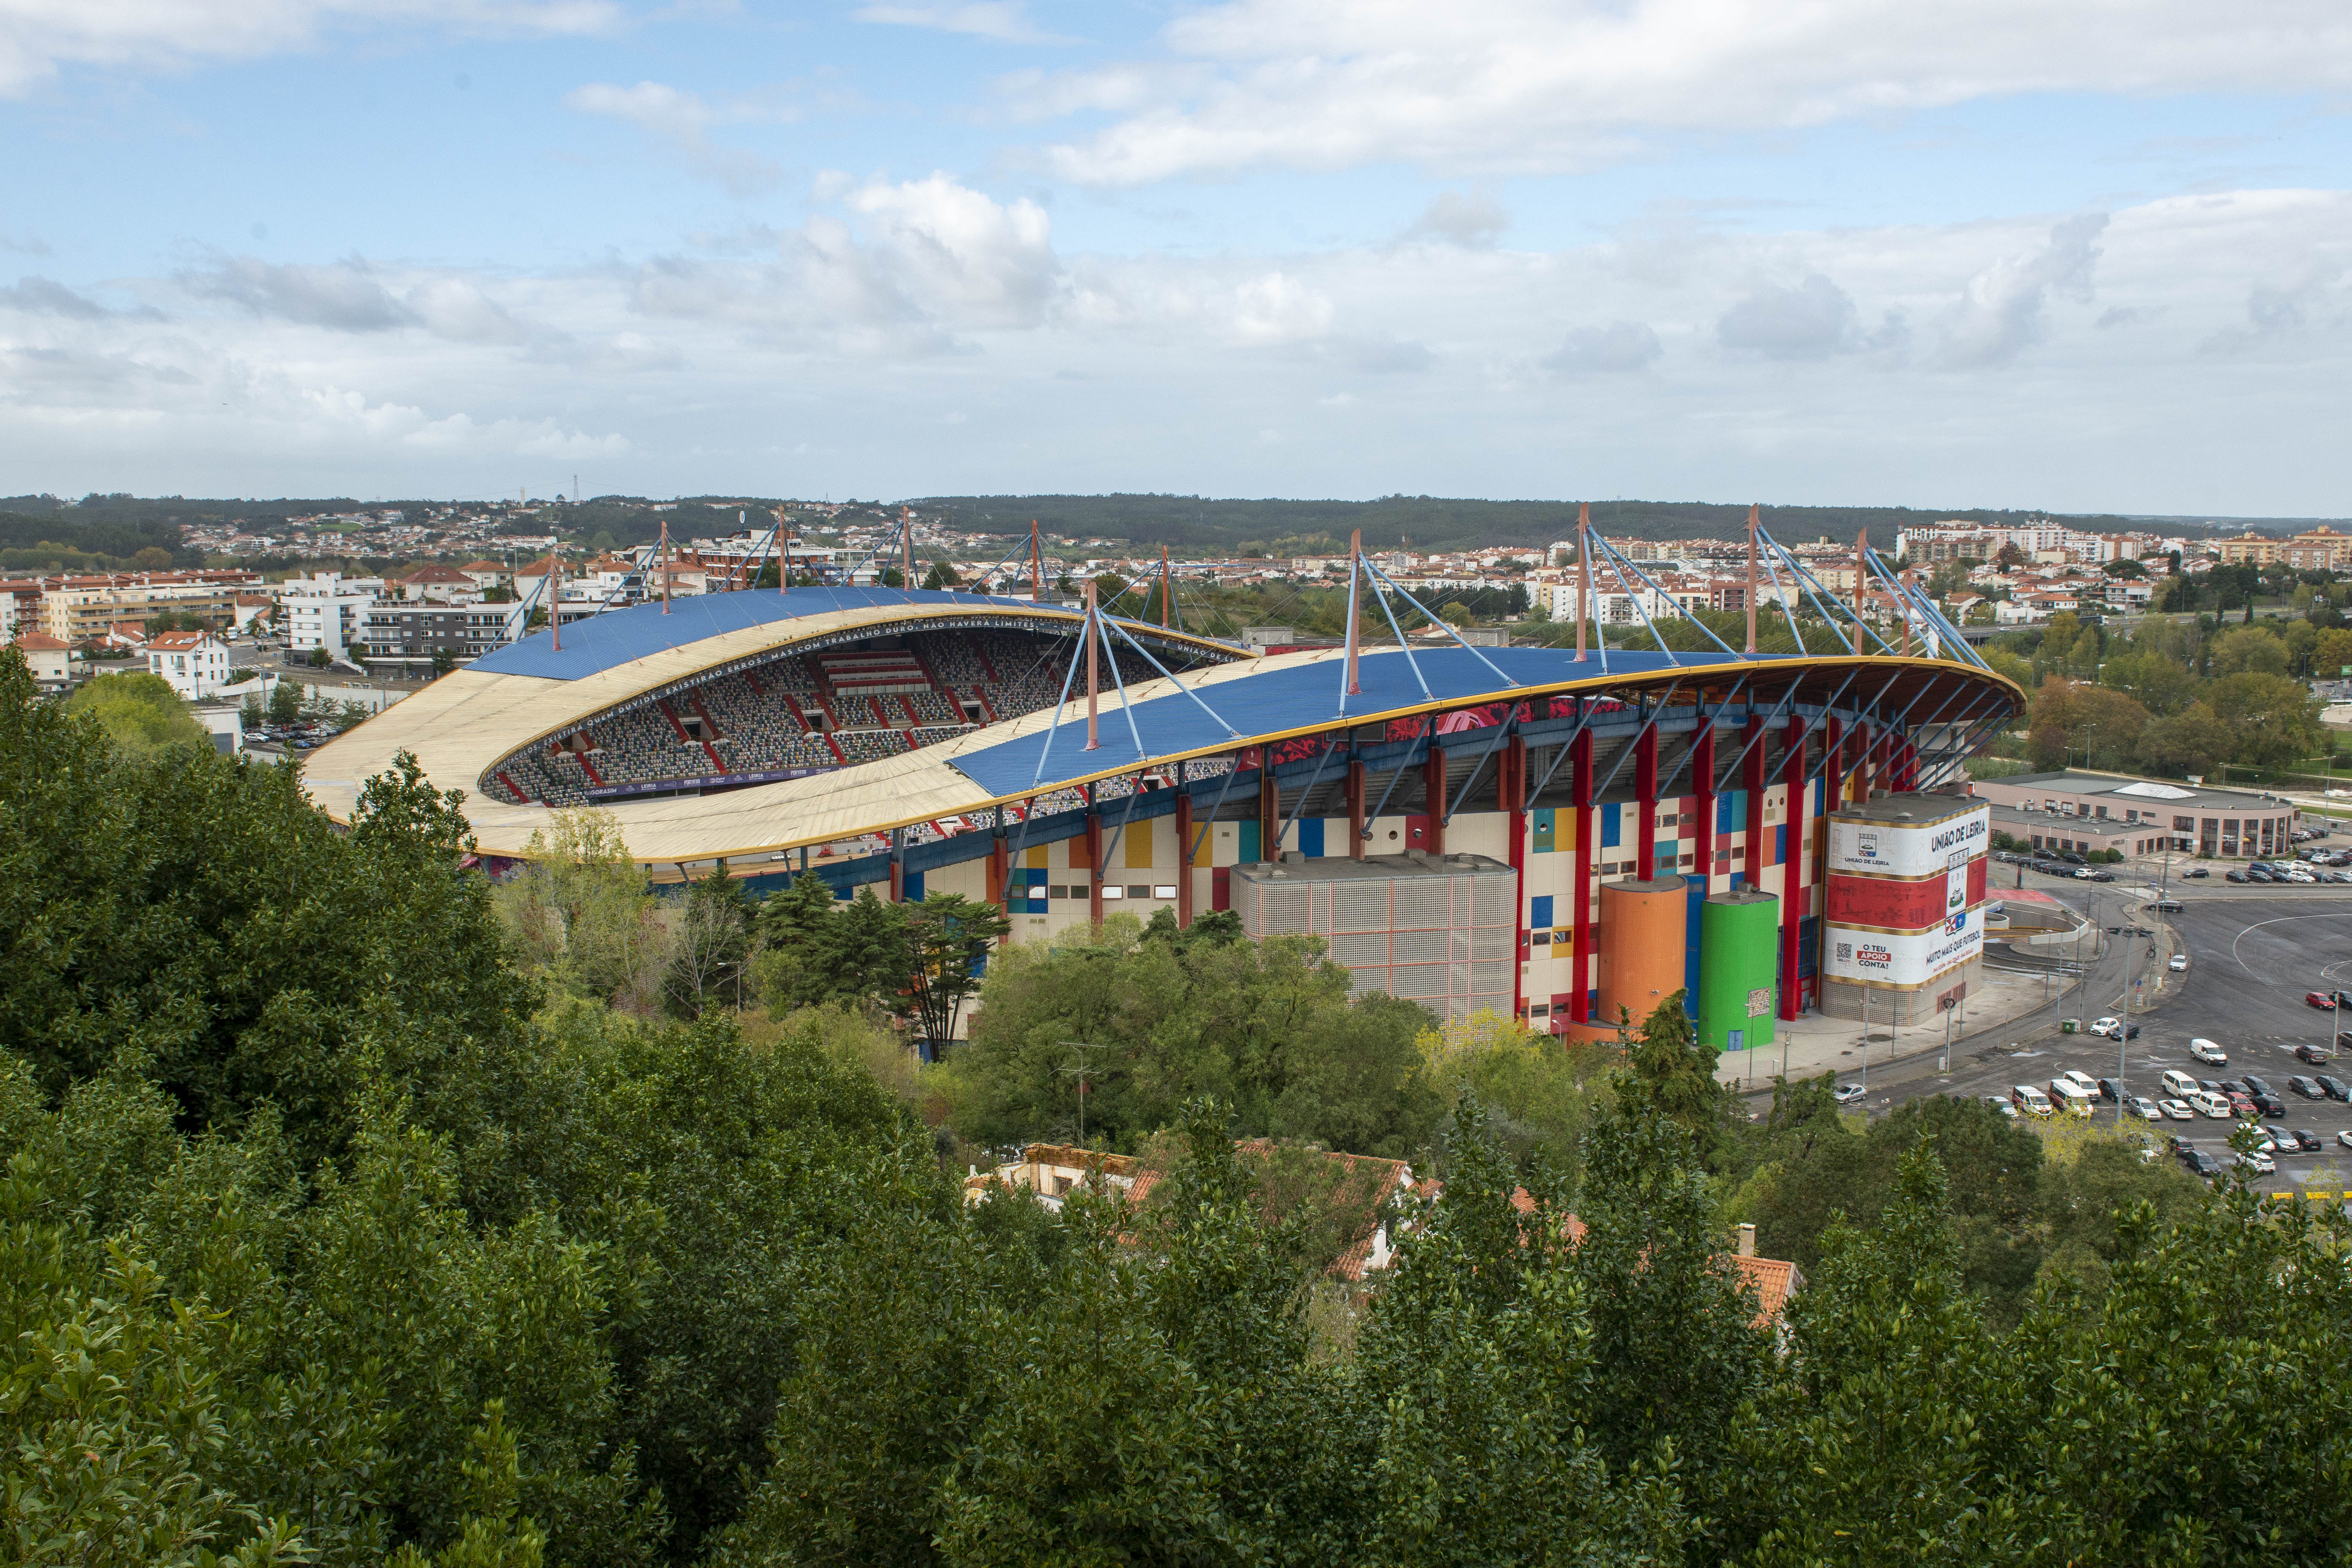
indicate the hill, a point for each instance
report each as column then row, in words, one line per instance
column 1429, row 523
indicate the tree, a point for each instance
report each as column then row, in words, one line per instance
column 2067, row 717
column 2331, row 654
column 285, row 702
column 2249, row 649
column 791, row 968
column 443, row 661
column 319, row 658
column 2125, row 571
column 582, row 914
column 948, row 938
column 2008, row 557
column 710, row 945
column 139, row 712
column 2193, row 741
column 1670, row 1073
column 941, row 575
column 2276, row 719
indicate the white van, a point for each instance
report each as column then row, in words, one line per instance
column 2030, row 1099
column 2180, row 1085
column 2070, row 1095
column 2211, row 1105
column 2206, row 1051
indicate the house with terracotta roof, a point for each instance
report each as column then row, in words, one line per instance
column 487, row 574
column 195, row 663
column 1774, row 1280
column 49, row 658
column 439, row 584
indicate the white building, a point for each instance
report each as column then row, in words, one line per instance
column 327, row 611
column 195, row 663
column 49, row 659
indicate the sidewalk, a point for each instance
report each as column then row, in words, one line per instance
column 2005, row 1006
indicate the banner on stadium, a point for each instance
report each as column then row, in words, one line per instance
column 1903, row 960
column 1893, row 903
column 1871, row 845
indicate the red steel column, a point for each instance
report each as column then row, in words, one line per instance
column 1094, row 858
column 1183, row 857
column 1356, row 809
column 1865, row 745
column 1645, row 786
column 1835, row 770
column 1703, row 786
column 1269, row 811
column 1753, row 782
column 1792, row 864
column 1580, row 976
column 1432, row 787
column 1511, row 797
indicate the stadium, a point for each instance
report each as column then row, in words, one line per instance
column 1432, row 812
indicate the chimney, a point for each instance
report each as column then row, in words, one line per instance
column 1747, row 1241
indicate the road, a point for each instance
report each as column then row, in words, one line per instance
column 2252, row 953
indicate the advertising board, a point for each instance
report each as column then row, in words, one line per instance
column 1905, row 904
column 1904, row 960
column 1874, row 846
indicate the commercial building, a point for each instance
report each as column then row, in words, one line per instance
column 77, row 609
column 2314, row 550
column 2155, row 815
column 325, row 611
column 402, row 637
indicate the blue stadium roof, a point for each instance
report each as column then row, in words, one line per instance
column 619, row 636
column 1273, row 698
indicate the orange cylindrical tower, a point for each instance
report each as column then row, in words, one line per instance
column 1642, row 928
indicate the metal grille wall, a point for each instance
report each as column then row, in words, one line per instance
column 1438, row 931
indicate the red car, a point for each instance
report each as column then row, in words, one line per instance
column 2320, row 999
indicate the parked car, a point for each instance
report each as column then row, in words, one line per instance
column 2170, row 906
column 2335, row 1088
column 2268, row 1104
column 2320, row 999
column 2200, row 1163
column 2176, row 963
column 2306, row 1086
column 2179, row 1112
column 2306, row 1142
column 2195, row 873
column 1847, row 1093
column 2242, row 1106
column 2110, row 1090
column 2211, row 1106
column 2235, row 876
column 2345, row 1138
column 2072, row 859
column 2145, row 1109
column 2081, row 1080
column 2317, row 1056
column 2257, row 1086
column 2106, row 1027
column 2255, row 1160
column 2206, row 1051
column 2179, row 1143
column 2001, row 1103
column 2030, row 1100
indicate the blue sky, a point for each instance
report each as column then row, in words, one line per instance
column 1986, row 253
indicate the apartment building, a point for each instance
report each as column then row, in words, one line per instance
column 76, row 609
column 326, row 612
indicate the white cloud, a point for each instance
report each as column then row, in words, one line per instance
column 39, row 37
column 790, row 367
column 1618, row 347
column 1005, row 21
column 1810, row 320
column 1562, row 85
column 1278, row 309
column 1459, row 217
column 2001, row 312
column 684, row 120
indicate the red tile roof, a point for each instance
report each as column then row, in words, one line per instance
column 41, row 642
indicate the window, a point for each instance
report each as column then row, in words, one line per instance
column 1113, row 890
column 1058, row 892
column 1166, row 892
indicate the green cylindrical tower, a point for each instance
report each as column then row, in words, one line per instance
column 1738, row 954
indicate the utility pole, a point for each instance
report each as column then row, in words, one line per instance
column 1751, row 578
column 1081, row 1072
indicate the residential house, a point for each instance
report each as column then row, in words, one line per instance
column 48, row 657
column 195, row 663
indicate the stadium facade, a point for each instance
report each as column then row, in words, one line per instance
column 1523, row 829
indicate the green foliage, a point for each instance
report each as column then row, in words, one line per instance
column 1267, row 1028
column 583, row 916
column 140, row 712
column 710, row 946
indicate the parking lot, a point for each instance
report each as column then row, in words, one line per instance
column 2253, row 952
